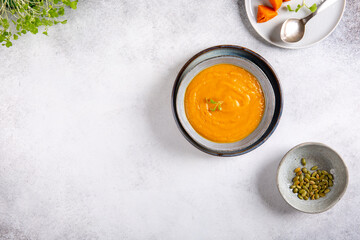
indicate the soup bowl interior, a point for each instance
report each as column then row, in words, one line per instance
column 268, row 111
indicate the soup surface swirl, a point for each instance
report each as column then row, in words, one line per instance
column 224, row 103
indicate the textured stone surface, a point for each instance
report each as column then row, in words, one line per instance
column 89, row 149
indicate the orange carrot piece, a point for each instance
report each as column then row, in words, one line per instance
column 276, row 4
column 264, row 14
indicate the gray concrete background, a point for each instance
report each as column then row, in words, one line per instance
column 89, row 149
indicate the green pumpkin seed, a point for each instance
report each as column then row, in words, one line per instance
column 309, row 185
column 303, row 161
column 301, row 178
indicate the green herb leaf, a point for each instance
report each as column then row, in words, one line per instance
column 298, row 7
column 61, row 11
column 30, row 16
column 313, row 7
column 217, row 104
column 73, row 5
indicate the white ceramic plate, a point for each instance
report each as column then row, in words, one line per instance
column 317, row 29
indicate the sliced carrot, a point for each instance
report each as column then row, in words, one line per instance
column 286, row 0
column 264, row 14
column 276, row 4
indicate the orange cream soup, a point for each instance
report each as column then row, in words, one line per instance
column 242, row 103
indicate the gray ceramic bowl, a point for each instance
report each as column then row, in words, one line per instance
column 248, row 60
column 316, row 154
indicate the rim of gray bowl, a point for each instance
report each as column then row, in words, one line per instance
column 318, row 144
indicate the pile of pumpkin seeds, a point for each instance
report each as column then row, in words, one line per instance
column 311, row 185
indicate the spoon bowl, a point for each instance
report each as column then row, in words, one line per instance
column 292, row 30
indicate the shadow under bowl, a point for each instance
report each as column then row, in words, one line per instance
column 250, row 61
column 316, row 154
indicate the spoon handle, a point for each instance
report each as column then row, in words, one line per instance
column 306, row 19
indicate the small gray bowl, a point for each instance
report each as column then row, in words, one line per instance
column 316, row 154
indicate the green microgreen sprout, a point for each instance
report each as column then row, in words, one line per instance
column 289, row 8
column 312, row 8
column 17, row 17
column 217, row 105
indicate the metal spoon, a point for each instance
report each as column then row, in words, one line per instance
column 293, row 30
